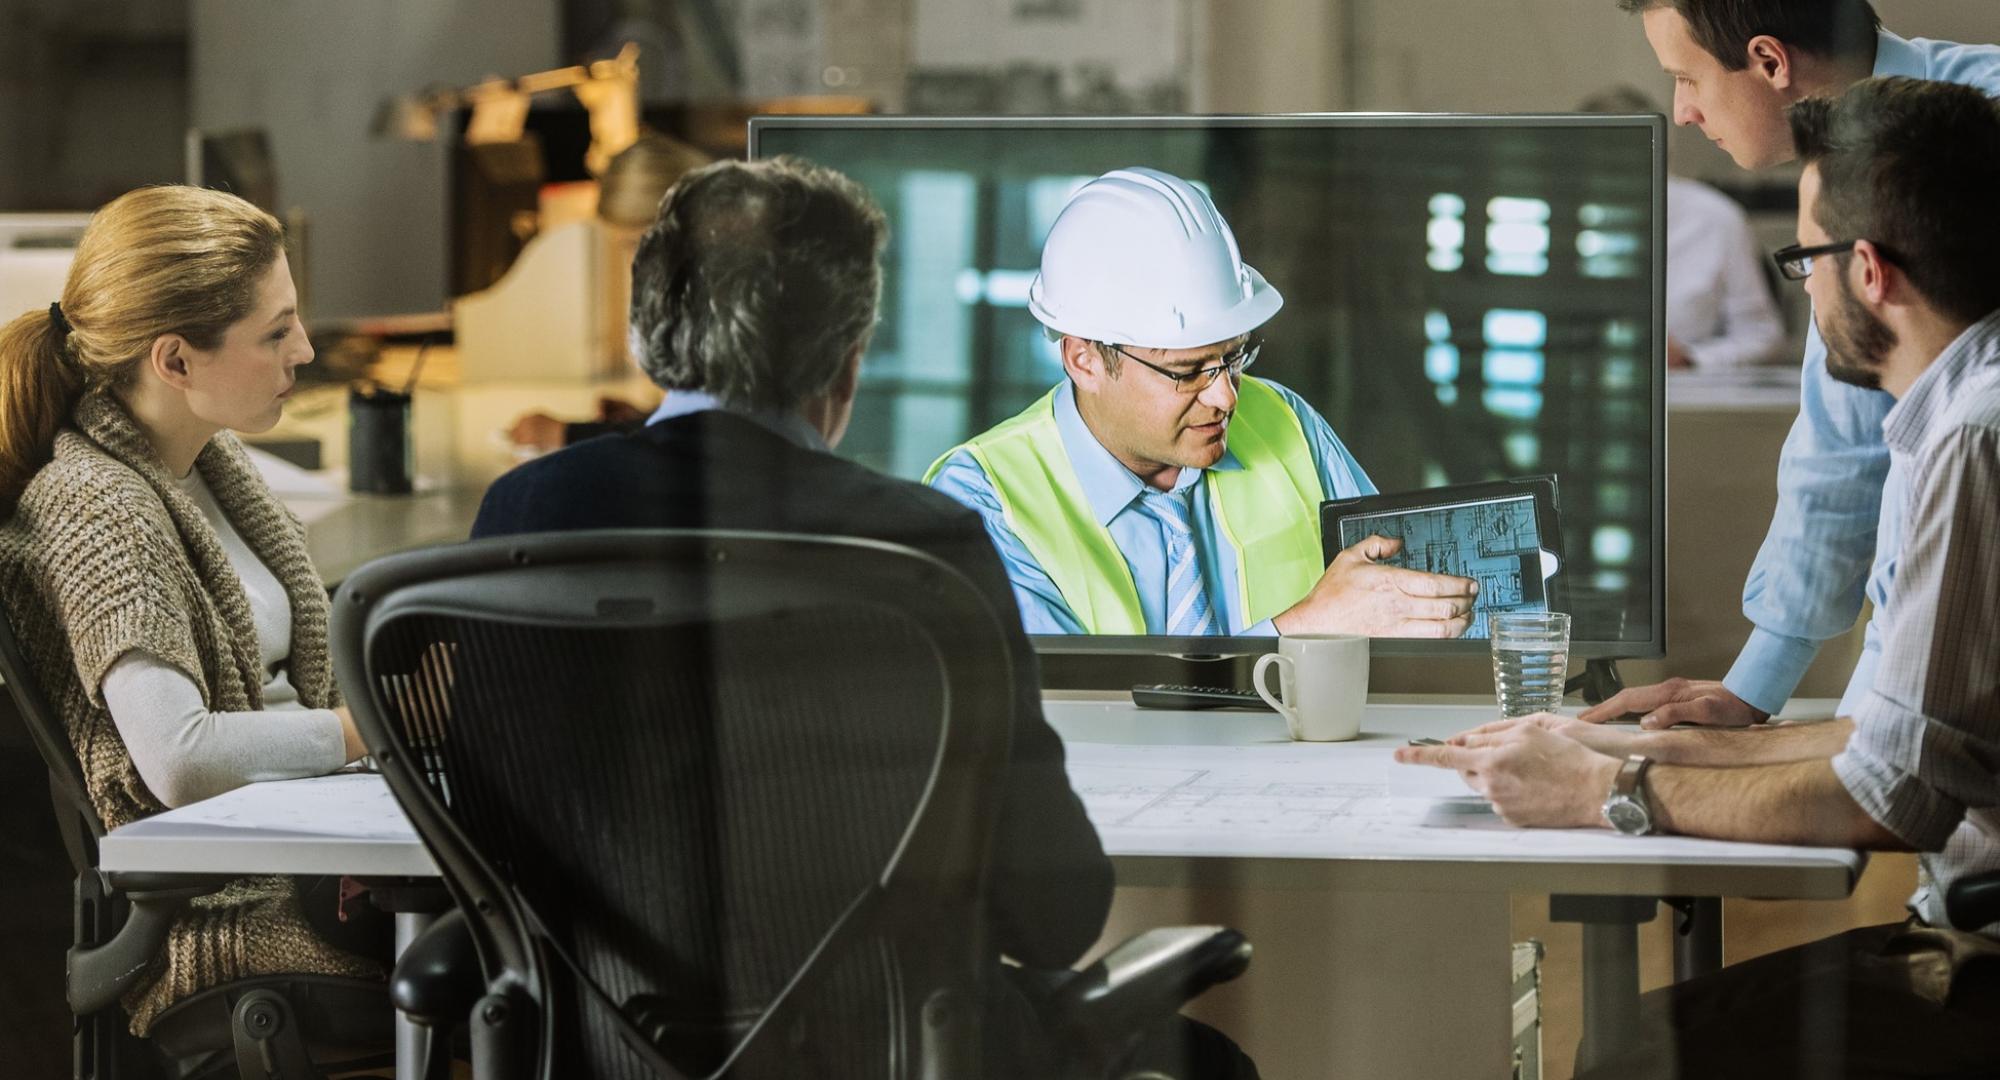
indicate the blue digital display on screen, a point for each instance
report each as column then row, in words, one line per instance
column 1495, row 542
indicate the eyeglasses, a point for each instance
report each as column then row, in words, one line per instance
column 1796, row 261
column 1194, row 382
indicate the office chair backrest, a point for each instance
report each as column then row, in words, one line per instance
column 75, row 815
column 689, row 762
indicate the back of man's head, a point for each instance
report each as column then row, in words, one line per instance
column 1913, row 167
column 1833, row 29
column 757, row 282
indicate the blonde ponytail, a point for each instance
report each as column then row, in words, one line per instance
column 159, row 260
column 38, row 388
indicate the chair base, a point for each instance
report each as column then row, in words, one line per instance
column 338, row 1024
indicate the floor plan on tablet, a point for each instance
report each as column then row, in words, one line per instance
column 1495, row 543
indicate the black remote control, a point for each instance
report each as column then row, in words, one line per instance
column 1196, row 697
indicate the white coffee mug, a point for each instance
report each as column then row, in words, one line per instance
column 1322, row 682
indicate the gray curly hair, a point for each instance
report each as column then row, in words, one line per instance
column 757, row 281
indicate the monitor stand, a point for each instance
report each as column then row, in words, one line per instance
column 1598, row 681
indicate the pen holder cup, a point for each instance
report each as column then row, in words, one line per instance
column 378, row 442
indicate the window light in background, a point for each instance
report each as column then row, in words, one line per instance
column 1517, row 236
column 1441, row 356
column 1608, row 243
column 1446, row 232
column 1514, row 365
column 1514, row 403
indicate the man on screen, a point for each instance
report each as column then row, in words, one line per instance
column 1158, row 489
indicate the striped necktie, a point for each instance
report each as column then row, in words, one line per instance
column 1188, row 612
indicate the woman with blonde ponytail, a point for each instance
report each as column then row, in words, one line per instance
column 163, row 596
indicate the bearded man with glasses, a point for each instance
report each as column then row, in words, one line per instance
column 1158, row 489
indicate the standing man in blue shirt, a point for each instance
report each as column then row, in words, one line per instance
column 1158, row 489
column 1895, row 243
column 1737, row 65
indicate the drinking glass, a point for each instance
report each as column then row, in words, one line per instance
column 1530, row 660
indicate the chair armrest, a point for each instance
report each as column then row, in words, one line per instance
column 98, row 974
column 1973, row 902
column 438, row 979
column 162, row 885
column 1147, row 979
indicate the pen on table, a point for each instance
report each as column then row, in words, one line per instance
column 1426, row 742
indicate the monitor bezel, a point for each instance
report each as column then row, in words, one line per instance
column 1655, row 646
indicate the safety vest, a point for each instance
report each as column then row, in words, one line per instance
column 1269, row 509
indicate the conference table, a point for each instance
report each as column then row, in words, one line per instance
column 1378, row 894
column 1375, row 894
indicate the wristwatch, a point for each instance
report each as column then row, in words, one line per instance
column 1626, row 808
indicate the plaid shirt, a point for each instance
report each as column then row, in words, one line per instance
column 1925, row 757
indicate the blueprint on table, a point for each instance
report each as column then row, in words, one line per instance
column 1293, row 800
column 349, row 805
column 1495, row 543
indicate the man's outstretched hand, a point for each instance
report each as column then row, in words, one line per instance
column 1679, row 701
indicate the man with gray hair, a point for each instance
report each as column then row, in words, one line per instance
column 753, row 298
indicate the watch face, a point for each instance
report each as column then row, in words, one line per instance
column 1628, row 817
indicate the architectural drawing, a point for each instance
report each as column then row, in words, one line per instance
column 1494, row 543
column 1333, row 801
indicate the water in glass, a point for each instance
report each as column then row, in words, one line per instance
column 1530, row 661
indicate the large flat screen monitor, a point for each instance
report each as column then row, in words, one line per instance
column 1467, row 298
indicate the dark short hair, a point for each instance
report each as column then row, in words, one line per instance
column 1913, row 167
column 757, row 281
column 1834, row 28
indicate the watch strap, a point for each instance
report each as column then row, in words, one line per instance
column 1631, row 781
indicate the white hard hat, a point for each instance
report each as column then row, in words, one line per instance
column 1140, row 257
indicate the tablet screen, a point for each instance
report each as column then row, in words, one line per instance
column 1495, row 542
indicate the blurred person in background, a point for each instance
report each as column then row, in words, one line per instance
column 628, row 199
column 1720, row 309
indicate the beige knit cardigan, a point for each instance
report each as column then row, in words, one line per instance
column 104, row 554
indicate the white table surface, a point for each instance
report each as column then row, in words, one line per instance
column 1406, row 897
column 1374, row 830
column 348, row 824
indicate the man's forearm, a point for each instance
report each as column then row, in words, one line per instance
column 1765, row 745
column 1799, row 802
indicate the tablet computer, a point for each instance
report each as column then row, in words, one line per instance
column 1504, row 534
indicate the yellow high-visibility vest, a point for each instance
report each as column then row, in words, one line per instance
column 1269, row 509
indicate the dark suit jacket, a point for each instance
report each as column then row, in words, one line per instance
column 1051, row 882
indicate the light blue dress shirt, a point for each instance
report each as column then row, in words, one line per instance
column 1838, row 491
column 1113, row 493
column 788, row 425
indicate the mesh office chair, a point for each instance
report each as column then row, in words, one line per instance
column 712, row 803
column 1974, row 902
column 272, row 1027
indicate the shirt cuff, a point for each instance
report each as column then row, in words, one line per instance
column 1919, row 814
column 1769, row 669
column 1267, row 628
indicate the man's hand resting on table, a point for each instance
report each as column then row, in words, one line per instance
column 1618, row 741
column 1534, row 777
column 1679, row 701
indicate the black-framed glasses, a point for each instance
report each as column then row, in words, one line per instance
column 1796, row 261
column 1194, row 382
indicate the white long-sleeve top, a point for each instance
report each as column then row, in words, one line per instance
column 1719, row 303
column 184, row 752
